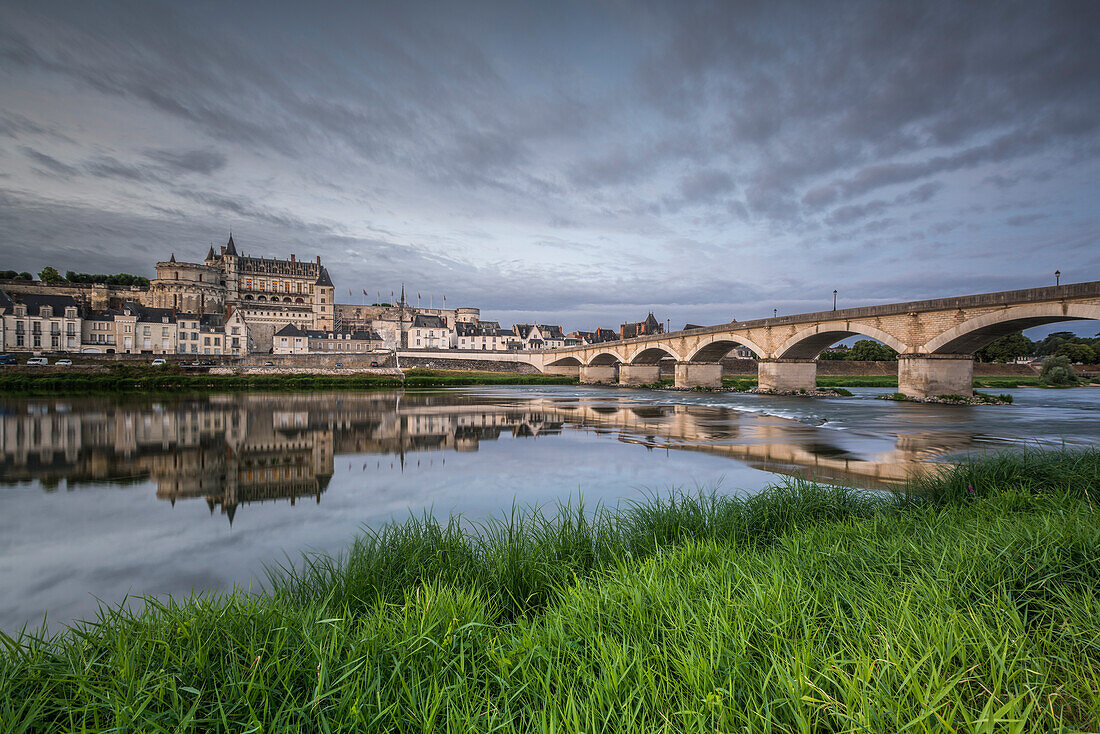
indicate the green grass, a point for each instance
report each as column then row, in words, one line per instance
column 968, row 604
column 149, row 380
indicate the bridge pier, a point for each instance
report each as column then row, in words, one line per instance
column 639, row 374
column 598, row 374
column 698, row 374
column 572, row 370
column 929, row 375
column 786, row 375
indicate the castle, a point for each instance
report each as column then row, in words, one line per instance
column 269, row 293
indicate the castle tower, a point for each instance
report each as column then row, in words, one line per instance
column 324, row 301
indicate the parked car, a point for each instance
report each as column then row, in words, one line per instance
column 269, row 363
column 38, row 361
column 339, row 364
column 159, row 362
column 64, row 363
column 373, row 364
column 8, row 359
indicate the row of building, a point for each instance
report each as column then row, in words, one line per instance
column 233, row 304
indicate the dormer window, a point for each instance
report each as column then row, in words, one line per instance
column 21, row 311
column 46, row 312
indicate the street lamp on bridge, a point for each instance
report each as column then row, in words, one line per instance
column 1057, row 276
column 834, row 299
column 775, row 312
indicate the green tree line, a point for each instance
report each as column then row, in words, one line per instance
column 1076, row 349
column 49, row 274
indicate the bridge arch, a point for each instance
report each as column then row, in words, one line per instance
column 809, row 343
column 565, row 362
column 605, row 358
column 970, row 336
column 653, row 355
column 719, row 345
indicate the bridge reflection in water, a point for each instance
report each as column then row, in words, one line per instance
column 232, row 450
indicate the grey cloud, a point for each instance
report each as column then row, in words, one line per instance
column 1022, row 220
column 51, row 164
column 189, row 161
column 705, row 185
column 109, row 167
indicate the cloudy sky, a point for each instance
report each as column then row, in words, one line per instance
column 579, row 163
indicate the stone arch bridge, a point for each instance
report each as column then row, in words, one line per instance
column 935, row 339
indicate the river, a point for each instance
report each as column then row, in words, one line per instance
column 114, row 497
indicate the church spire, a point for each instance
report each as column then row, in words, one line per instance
column 230, row 248
column 402, row 301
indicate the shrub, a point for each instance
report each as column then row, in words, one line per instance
column 1057, row 371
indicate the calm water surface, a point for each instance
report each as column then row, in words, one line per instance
column 109, row 497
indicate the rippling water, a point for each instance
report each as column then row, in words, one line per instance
column 104, row 497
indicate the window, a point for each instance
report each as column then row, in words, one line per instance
column 206, row 342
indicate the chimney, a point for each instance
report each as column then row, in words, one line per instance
column 223, row 249
column 292, row 257
column 318, row 259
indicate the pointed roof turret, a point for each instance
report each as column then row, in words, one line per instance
column 402, row 301
column 230, row 248
column 210, row 255
column 323, row 279
column 173, row 258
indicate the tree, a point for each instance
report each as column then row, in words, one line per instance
column 24, row 276
column 8, row 274
column 1050, row 344
column 1082, row 353
column 869, row 350
column 49, row 274
column 1007, row 349
column 1057, row 371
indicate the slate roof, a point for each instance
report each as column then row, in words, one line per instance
column 323, row 279
column 359, row 335
column 230, row 248
column 290, row 330
column 157, row 315
column 35, row 301
column 424, row 321
column 522, row 330
column 551, row 332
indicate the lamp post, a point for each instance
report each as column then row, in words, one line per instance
column 834, row 299
column 1057, row 277
column 775, row 312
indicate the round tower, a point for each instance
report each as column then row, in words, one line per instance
column 468, row 315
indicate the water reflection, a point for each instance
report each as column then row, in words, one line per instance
column 101, row 498
column 233, row 450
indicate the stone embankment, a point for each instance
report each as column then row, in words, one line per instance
column 470, row 365
column 345, row 371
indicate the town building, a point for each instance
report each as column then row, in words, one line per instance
column 430, row 332
column 37, row 322
column 539, row 336
column 484, row 336
column 641, row 328
column 292, row 340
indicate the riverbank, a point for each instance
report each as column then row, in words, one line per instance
column 967, row 605
column 151, row 379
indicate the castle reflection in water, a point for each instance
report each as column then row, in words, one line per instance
column 232, row 450
column 236, row 449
